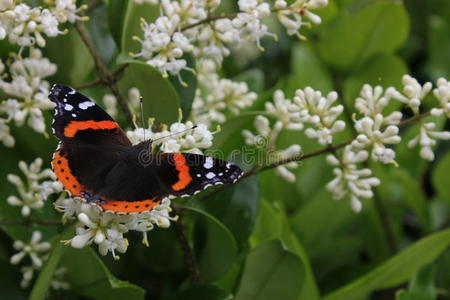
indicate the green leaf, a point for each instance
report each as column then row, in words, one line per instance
column 397, row 269
column 307, row 70
column 42, row 284
column 212, row 239
column 186, row 93
column 271, row 272
column 438, row 39
column 132, row 24
column 421, row 286
column 116, row 17
column 75, row 63
column 160, row 98
column 89, row 277
column 384, row 70
column 440, row 177
column 203, row 291
column 237, row 208
column 381, row 27
column 272, row 224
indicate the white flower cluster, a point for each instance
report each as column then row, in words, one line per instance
column 186, row 26
column 106, row 229
column 26, row 83
column 24, row 25
column 216, row 96
column 291, row 16
column 350, row 181
column 31, row 249
column 179, row 137
column 308, row 107
column 33, row 192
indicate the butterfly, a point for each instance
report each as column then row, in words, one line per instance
column 95, row 160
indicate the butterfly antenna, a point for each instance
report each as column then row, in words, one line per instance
column 176, row 133
column 142, row 115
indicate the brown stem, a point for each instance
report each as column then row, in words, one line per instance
column 30, row 221
column 116, row 75
column 189, row 257
column 106, row 76
column 328, row 149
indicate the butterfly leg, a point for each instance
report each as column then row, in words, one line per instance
column 92, row 198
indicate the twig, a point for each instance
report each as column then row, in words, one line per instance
column 30, row 221
column 116, row 75
column 300, row 157
column 189, row 256
column 106, row 76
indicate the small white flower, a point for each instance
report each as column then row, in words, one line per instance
column 350, row 181
column 5, row 136
column 442, row 93
column 413, row 92
column 32, row 193
column 31, row 249
column 426, row 139
column 372, row 134
column 110, row 103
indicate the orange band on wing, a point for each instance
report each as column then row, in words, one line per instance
column 128, row 206
column 74, row 126
column 62, row 171
column 184, row 178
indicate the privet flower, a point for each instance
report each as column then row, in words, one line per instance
column 413, row 92
column 34, row 250
column 24, row 25
column 350, row 181
column 32, row 192
column 5, row 136
column 371, row 133
column 181, row 29
column 426, row 139
column 442, row 94
column 216, row 96
column 319, row 111
column 27, row 85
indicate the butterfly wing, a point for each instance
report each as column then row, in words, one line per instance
column 90, row 141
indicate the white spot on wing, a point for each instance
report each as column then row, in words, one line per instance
column 68, row 107
column 228, row 165
column 72, row 92
column 85, row 105
column 74, row 115
column 199, row 175
column 210, row 175
column 208, row 163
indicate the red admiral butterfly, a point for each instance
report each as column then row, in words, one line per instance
column 95, row 160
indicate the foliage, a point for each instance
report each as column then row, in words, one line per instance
column 316, row 104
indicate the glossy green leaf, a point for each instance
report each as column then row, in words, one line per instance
column 89, row 277
column 272, row 224
column 116, row 18
column 186, row 85
column 421, row 286
column 75, row 63
column 348, row 41
column 160, row 98
column 42, row 284
column 397, row 269
column 212, row 238
column 385, row 70
column 271, row 272
column 132, row 24
column 236, row 208
column 203, row 291
column 307, row 70
column 440, row 177
column 438, row 47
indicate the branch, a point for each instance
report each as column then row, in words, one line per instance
column 106, row 76
column 116, row 75
column 30, row 221
column 300, row 157
column 189, row 257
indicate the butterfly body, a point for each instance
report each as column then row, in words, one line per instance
column 95, row 160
